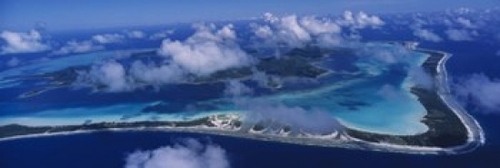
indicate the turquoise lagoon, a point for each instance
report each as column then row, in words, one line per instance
column 374, row 98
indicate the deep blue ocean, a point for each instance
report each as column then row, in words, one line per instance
column 109, row 149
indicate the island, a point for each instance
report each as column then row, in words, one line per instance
column 451, row 129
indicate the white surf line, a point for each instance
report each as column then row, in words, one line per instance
column 342, row 142
column 475, row 134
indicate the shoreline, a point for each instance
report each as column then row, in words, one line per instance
column 475, row 134
column 345, row 142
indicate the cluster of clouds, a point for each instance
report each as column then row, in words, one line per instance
column 423, row 33
column 297, row 31
column 214, row 48
column 416, row 76
column 313, row 121
column 481, row 91
column 208, row 50
column 33, row 41
column 97, row 42
column 22, row 42
column 356, row 21
column 152, row 74
column 458, row 28
column 298, row 119
column 74, row 46
column 191, row 153
column 420, row 78
column 291, row 29
column 111, row 74
column 427, row 35
column 162, row 34
column 108, row 38
column 465, row 22
column 463, row 30
column 135, row 34
column 377, row 58
column 383, row 54
column 460, row 34
column 477, row 91
column 360, row 20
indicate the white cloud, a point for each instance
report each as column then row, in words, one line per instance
column 207, row 51
column 295, row 31
column 465, row 22
column 459, row 35
column 427, row 35
column 417, row 22
column 206, row 33
column 156, row 75
column 116, row 78
column 480, row 91
column 227, row 32
column 190, row 154
column 204, row 58
column 262, row 31
column 419, row 31
column 313, row 121
column 135, row 34
column 497, row 53
column 108, row 38
column 360, row 20
column 318, row 26
column 420, row 78
column 110, row 74
column 383, row 55
column 19, row 42
column 463, row 10
column 78, row 47
column 290, row 27
column 161, row 34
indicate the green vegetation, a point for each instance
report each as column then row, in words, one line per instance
column 16, row 130
column 445, row 128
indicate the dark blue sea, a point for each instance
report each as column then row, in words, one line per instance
column 110, row 149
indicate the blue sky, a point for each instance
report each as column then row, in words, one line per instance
column 89, row 14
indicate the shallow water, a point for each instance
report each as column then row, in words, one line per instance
column 355, row 100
